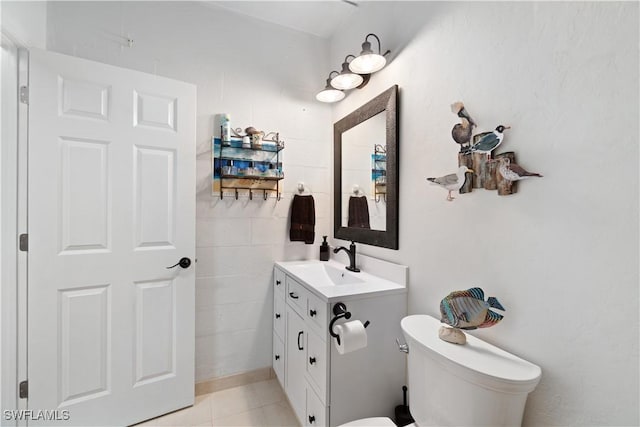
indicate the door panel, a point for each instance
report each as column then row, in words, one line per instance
column 155, row 331
column 111, row 205
column 85, row 175
column 83, row 99
column 85, row 343
column 155, row 204
column 155, row 111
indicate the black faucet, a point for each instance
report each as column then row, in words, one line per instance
column 352, row 256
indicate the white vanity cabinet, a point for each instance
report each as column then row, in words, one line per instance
column 279, row 322
column 324, row 387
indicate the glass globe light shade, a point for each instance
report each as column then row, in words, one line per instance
column 346, row 79
column 367, row 63
column 330, row 95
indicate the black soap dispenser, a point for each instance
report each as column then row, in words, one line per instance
column 324, row 250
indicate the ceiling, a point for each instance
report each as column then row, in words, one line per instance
column 319, row 18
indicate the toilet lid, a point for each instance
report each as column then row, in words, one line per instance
column 476, row 355
column 370, row 422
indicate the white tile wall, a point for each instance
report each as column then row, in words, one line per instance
column 564, row 89
column 243, row 67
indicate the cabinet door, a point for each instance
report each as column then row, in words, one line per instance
column 316, row 411
column 278, row 315
column 317, row 363
column 317, row 312
column 278, row 358
column 278, row 282
column 295, row 362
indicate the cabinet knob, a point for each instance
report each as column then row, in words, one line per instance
column 312, row 360
column 278, row 282
column 277, row 356
column 277, row 315
column 312, row 419
column 312, row 313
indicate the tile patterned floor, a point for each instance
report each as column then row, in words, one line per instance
column 258, row 404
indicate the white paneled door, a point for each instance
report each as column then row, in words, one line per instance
column 111, row 206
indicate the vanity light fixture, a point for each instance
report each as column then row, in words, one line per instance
column 356, row 71
column 369, row 62
column 329, row 94
column 346, row 79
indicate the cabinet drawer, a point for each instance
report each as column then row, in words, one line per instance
column 297, row 296
column 316, row 411
column 278, row 315
column 278, row 281
column 317, row 362
column 317, row 312
column 278, row 358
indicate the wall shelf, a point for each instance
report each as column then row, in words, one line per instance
column 247, row 169
column 379, row 172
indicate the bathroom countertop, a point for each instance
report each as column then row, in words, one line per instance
column 322, row 285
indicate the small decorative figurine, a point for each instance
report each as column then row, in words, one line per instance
column 512, row 171
column 467, row 310
column 488, row 141
column 461, row 132
column 452, row 182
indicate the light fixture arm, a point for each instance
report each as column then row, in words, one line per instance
column 379, row 45
column 329, row 79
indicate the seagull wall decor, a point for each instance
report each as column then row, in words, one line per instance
column 451, row 182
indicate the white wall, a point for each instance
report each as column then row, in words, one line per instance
column 25, row 22
column 562, row 254
column 262, row 75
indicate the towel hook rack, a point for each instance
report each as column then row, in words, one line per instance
column 303, row 188
column 356, row 190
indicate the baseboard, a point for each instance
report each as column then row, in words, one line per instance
column 235, row 380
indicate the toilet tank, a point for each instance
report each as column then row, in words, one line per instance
column 476, row 384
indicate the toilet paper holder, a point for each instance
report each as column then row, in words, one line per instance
column 339, row 312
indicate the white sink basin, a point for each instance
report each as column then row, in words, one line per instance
column 326, row 275
column 331, row 281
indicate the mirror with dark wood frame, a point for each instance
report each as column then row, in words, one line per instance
column 365, row 187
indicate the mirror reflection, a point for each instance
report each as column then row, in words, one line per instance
column 364, row 175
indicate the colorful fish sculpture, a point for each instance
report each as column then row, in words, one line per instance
column 468, row 309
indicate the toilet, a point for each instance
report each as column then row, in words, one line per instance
column 476, row 384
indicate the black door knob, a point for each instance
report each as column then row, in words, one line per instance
column 184, row 263
column 277, row 315
column 312, row 313
column 277, row 356
column 312, row 418
column 312, row 360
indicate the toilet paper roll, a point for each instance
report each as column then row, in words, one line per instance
column 353, row 336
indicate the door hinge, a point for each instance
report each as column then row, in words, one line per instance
column 24, row 389
column 24, row 242
column 24, row 94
